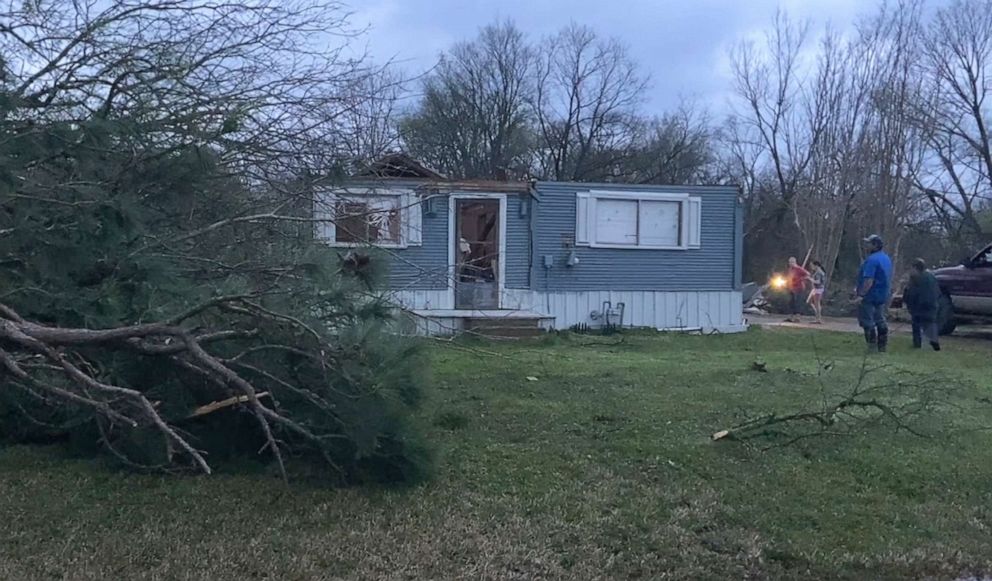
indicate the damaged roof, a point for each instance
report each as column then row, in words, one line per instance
column 401, row 166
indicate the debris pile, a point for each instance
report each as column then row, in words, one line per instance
column 754, row 299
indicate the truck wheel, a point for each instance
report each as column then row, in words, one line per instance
column 945, row 316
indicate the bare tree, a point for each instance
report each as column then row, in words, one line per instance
column 369, row 123
column 588, row 91
column 953, row 115
column 829, row 144
column 739, row 161
column 859, row 179
column 473, row 119
column 894, row 148
column 677, row 148
column 837, row 105
column 772, row 84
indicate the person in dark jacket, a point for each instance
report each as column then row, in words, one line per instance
column 921, row 297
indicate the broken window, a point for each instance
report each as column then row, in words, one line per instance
column 367, row 221
column 376, row 218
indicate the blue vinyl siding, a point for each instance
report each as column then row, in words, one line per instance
column 738, row 244
column 425, row 267
column 712, row 267
column 518, row 242
column 715, row 266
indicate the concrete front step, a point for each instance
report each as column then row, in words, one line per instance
column 495, row 323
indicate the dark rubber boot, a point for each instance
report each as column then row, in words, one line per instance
column 935, row 345
column 870, row 337
column 883, row 340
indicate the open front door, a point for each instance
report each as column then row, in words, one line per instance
column 477, row 256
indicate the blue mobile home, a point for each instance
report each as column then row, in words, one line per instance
column 561, row 254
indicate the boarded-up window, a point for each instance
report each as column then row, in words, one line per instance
column 660, row 223
column 638, row 223
column 638, row 220
column 616, row 222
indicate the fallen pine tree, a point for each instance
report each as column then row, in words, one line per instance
column 305, row 394
column 163, row 297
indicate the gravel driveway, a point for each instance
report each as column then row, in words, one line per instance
column 848, row 325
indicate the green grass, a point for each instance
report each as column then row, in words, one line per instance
column 602, row 468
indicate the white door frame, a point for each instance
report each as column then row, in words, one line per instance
column 452, row 242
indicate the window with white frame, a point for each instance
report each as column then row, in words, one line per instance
column 638, row 220
column 367, row 221
column 360, row 219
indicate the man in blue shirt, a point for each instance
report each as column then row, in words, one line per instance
column 874, row 285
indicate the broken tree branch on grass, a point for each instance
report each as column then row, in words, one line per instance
column 878, row 395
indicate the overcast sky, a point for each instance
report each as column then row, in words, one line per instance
column 681, row 44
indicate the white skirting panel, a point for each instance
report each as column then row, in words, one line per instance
column 424, row 300
column 704, row 311
column 436, row 326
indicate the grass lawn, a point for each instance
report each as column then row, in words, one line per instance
column 603, row 468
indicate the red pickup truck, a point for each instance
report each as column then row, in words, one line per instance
column 966, row 292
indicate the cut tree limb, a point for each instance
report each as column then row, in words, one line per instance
column 221, row 404
column 898, row 400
